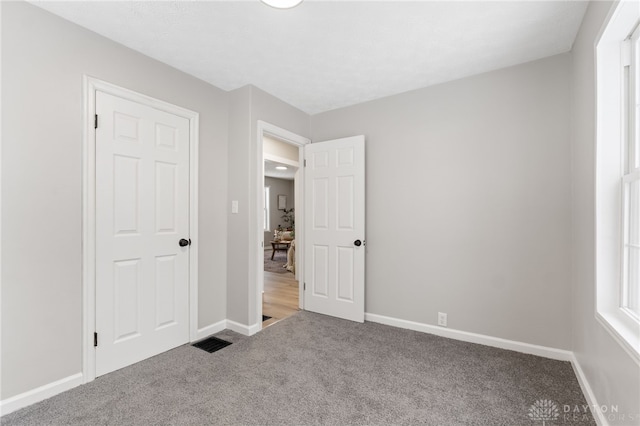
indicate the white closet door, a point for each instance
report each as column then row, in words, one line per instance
column 142, row 212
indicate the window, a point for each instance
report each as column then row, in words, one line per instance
column 631, row 177
column 618, row 177
column 266, row 209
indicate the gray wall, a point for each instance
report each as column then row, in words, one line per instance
column 248, row 105
column 43, row 60
column 468, row 202
column 238, row 223
column 613, row 375
column 274, row 111
column 278, row 187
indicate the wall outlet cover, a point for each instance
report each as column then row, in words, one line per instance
column 442, row 319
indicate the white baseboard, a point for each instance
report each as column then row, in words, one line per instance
column 41, row 393
column 246, row 330
column 210, row 329
column 601, row 420
column 543, row 351
column 253, row 329
column 47, row 391
column 466, row 336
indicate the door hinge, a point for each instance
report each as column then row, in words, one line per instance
column 304, row 286
column 95, row 339
column 305, row 162
column 95, row 122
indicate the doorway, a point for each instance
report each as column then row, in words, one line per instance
column 279, row 293
column 280, row 298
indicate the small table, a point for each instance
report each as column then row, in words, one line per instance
column 279, row 245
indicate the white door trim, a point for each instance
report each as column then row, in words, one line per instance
column 282, row 160
column 265, row 128
column 90, row 86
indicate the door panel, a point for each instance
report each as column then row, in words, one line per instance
column 126, row 289
column 320, row 210
column 126, row 187
column 320, row 267
column 142, row 211
column 335, row 202
column 165, row 290
column 346, row 284
column 165, row 197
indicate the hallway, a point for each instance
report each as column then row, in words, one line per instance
column 280, row 298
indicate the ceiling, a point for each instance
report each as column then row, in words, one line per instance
column 324, row 55
column 271, row 171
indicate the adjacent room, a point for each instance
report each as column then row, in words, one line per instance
column 320, row 212
column 281, row 282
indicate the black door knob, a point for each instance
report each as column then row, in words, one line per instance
column 357, row 243
column 184, row 243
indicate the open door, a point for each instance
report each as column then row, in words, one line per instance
column 334, row 228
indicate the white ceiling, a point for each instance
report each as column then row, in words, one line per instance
column 324, row 55
column 271, row 171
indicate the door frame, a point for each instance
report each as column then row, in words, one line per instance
column 90, row 85
column 268, row 129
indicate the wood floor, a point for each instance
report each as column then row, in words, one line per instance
column 280, row 297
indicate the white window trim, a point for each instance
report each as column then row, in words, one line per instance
column 628, row 211
column 631, row 168
column 267, row 208
column 609, row 169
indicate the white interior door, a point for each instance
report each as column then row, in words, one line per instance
column 334, row 228
column 142, row 211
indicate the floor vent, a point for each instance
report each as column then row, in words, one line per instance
column 265, row 317
column 211, row 344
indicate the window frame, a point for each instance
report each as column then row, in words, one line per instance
column 613, row 133
column 631, row 163
column 267, row 208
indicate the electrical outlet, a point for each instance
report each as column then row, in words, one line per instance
column 442, row 319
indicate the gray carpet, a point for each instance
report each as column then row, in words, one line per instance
column 313, row 369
